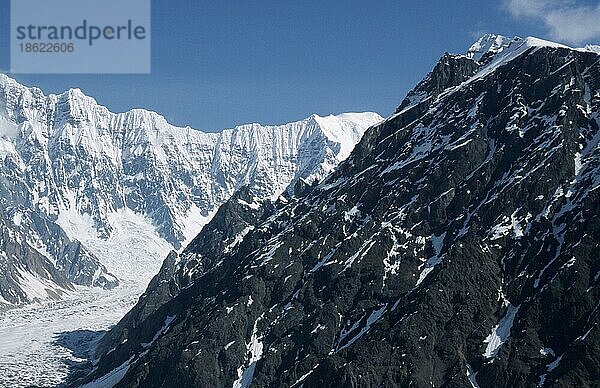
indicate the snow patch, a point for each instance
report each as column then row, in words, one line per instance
column 36, row 288
column 373, row 318
column 500, row 332
column 438, row 243
column 352, row 213
column 364, row 249
column 238, row 239
column 254, row 351
column 472, row 376
column 508, row 225
column 112, row 378
column 161, row 331
column 253, row 205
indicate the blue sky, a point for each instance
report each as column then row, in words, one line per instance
column 216, row 64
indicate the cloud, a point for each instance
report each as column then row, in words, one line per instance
column 479, row 30
column 566, row 20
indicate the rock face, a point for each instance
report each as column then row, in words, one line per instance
column 457, row 246
column 218, row 238
column 21, row 263
column 38, row 261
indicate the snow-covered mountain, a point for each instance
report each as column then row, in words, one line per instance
column 70, row 162
column 39, row 261
column 457, row 246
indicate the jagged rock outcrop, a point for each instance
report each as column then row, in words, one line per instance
column 69, row 257
column 40, row 262
column 22, row 264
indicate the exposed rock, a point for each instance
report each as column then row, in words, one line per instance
column 457, row 246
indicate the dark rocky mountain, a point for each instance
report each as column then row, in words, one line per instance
column 457, row 246
column 231, row 223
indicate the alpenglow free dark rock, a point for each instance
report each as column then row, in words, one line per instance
column 457, row 246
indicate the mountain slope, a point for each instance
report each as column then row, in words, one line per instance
column 456, row 246
column 74, row 154
column 76, row 168
column 40, row 262
column 25, row 274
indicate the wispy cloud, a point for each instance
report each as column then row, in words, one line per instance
column 566, row 20
column 479, row 29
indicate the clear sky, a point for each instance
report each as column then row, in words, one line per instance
column 216, row 64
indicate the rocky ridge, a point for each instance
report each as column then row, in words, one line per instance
column 456, row 246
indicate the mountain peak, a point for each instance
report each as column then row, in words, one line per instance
column 532, row 41
column 76, row 95
column 4, row 79
column 137, row 117
column 490, row 44
column 593, row 48
column 9, row 83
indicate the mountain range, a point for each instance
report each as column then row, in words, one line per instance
column 73, row 172
column 456, row 246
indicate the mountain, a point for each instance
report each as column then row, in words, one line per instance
column 81, row 173
column 19, row 261
column 457, row 246
column 38, row 261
